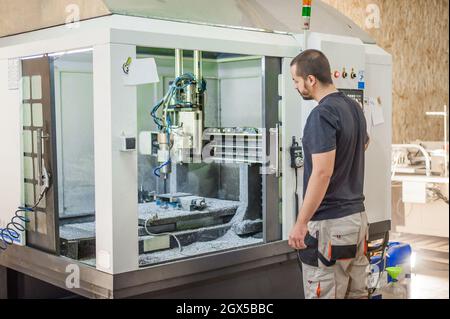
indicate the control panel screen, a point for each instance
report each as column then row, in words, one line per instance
column 357, row 95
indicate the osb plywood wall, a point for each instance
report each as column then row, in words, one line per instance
column 24, row 15
column 415, row 32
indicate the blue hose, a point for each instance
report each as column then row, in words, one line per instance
column 156, row 170
column 13, row 229
column 176, row 86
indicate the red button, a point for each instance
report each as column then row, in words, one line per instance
column 337, row 74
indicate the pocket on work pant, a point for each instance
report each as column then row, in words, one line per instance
column 309, row 255
column 343, row 244
column 320, row 284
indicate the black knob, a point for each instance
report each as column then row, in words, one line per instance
column 344, row 74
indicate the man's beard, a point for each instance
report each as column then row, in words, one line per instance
column 305, row 96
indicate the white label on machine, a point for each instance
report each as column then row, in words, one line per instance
column 142, row 71
column 376, row 111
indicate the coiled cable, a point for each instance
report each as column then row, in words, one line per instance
column 16, row 226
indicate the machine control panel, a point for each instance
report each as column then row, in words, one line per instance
column 347, row 62
column 296, row 152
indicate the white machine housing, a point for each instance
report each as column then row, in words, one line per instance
column 113, row 39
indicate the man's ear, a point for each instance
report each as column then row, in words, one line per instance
column 311, row 79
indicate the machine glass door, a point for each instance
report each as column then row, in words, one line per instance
column 208, row 173
column 39, row 164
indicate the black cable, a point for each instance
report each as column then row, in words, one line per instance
column 296, row 214
column 382, row 260
column 296, row 199
column 296, row 193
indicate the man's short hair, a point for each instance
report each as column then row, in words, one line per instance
column 313, row 62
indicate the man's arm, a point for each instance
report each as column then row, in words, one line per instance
column 323, row 167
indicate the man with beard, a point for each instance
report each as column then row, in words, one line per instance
column 331, row 231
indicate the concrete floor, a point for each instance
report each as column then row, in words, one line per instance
column 430, row 276
column 429, row 280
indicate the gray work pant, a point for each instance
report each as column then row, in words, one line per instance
column 335, row 265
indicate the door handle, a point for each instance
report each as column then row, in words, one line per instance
column 43, row 178
column 274, row 150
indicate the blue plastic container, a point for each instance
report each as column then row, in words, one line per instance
column 399, row 254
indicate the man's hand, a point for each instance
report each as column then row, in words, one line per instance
column 367, row 144
column 297, row 236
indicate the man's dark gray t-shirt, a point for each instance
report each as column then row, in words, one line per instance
column 338, row 123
